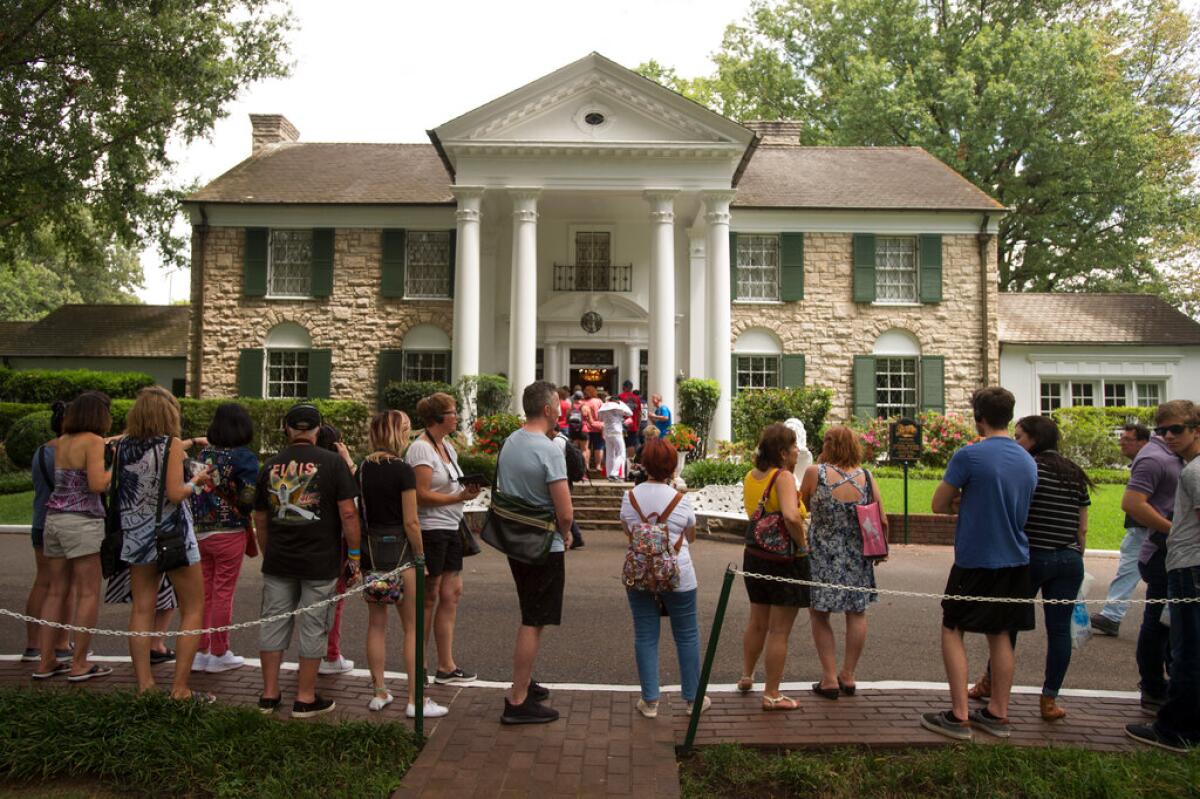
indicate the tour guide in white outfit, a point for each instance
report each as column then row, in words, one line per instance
column 613, row 414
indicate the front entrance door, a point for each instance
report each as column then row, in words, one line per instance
column 594, row 367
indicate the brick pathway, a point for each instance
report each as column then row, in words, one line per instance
column 602, row 746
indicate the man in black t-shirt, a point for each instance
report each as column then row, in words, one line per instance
column 303, row 506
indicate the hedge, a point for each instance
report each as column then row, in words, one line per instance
column 48, row 385
column 754, row 410
column 698, row 474
column 10, row 412
column 26, row 435
column 1089, row 435
column 403, row 395
column 16, row 482
column 478, row 463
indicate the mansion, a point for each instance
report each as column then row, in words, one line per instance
column 588, row 228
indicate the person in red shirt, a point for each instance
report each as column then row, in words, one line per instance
column 564, row 408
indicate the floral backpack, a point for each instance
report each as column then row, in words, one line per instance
column 651, row 563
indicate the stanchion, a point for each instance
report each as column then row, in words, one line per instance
column 709, row 657
column 419, row 650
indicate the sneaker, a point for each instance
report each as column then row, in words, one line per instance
column 340, row 665
column 704, row 706
column 983, row 720
column 224, row 662
column 648, row 709
column 200, row 662
column 432, row 710
column 1104, row 625
column 267, row 706
column 528, row 712
column 944, row 723
column 383, row 697
column 452, row 677
column 306, row 710
column 31, row 655
column 539, row 692
column 1147, row 734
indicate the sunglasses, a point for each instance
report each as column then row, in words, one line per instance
column 1173, row 429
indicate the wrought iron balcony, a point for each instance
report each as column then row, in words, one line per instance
column 576, row 277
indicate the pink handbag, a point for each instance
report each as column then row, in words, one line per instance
column 870, row 522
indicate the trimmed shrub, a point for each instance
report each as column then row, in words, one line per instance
column 48, row 385
column 492, row 393
column 1089, row 435
column 754, row 410
column 403, row 395
column 941, row 436
column 474, row 462
column 697, row 403
column 16, row 482
column 26, row 435
column 12, row 411
column 490, row 431
column 698, row 474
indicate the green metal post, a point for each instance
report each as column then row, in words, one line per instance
column 906, row 502
column 419, row 654
column 709, row 657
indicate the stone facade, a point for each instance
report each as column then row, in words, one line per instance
column 355, row 322
column 829, row 328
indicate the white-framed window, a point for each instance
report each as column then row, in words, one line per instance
column 427, row 366
column 427, row 264
column 289, row 263
column 757, row 267
column 895, row 386
column 757, row 371
column 1051, row 397
column 1149, row 394
column 1118, row 393
column 896, row 270
column 287, row 374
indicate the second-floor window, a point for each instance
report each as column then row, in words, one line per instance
column 289, row 265
column 427, row 253
column 896, row 269
column 757, row 267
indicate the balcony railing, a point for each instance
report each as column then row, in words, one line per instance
column 575, row 277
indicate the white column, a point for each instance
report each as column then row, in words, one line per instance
column 633, row 366
column 465, row 359
column 716, row 205
column 522, row 331
column 661, row 374
column 697, row 308
column 551, row 367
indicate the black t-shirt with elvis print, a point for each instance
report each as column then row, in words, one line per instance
column 300, row 489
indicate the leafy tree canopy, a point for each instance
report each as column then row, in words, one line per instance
column 1080, row 116
column 91, row 91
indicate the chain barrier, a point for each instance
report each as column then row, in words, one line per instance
column 358, row 589
column 958, row 597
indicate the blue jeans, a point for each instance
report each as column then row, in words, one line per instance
column 685, row 627
column 1127, row 577
column 1154, row 637
column 1057, row 573
column 1180, row 716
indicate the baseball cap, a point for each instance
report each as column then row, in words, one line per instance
column 303, row 417
column 627, row 385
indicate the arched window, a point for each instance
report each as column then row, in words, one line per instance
column 287, row 362
column 897, row 356
column 757, row 357
column 426, row 354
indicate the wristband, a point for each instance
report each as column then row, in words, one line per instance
column 355, row 558
column 353, row 552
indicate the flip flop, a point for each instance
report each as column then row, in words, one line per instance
column 95, row 671
column 61, row 668
column 779, row 703
column 848, row 690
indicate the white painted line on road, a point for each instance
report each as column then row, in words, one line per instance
column 724, row 688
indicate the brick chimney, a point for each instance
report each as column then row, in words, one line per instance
column 785, row 131
column 269, row 130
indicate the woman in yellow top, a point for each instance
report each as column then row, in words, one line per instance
column 773, row 605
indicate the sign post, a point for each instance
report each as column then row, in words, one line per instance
column 904, row 447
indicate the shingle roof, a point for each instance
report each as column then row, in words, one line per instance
column 1031, row 318
column 103, row 331
column 304, row 173
column 879, row 178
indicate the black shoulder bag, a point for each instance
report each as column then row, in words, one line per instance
column 522, row 531
column 170, row 537
column 110, row 548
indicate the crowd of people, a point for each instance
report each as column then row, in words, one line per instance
column 176, row 530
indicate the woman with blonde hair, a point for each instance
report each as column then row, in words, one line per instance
column 831, row 489
column 388, row 503
column 151, row 450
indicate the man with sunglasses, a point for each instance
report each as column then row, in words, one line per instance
column 1134, row 436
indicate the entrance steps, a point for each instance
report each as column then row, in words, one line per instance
column 598, row 505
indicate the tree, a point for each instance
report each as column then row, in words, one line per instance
column 1082, row 117
column 90, row 95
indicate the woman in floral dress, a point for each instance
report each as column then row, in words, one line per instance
column 831, row 489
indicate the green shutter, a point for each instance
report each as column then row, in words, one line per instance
column 250, row 374
column 322, row 262
column 391, row 369
column 733, row 267
column 320, row 373
column 453, row 260
column 931, row 268
column 864, row 267
column 933, row 383
column 254, row 262
column 793, row 371
column 791, row 266
column 864, row 386
column 392, row 262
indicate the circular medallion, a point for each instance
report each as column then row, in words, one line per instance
column 591, row 322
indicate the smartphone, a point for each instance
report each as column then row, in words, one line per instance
column 474, row 480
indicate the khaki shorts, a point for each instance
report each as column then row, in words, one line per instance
column 72, row 535
column 283, row 594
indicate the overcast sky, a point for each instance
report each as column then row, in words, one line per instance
column 388, row 71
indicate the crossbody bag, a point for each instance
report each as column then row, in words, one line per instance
column 521, row 530
column 170, row 537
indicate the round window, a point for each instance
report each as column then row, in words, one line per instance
column 594, row 118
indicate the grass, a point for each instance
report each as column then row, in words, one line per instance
column 16, row 508
column 967, row 771
column 153, row 746
column 1105, row 519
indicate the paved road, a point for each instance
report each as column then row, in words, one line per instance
column 595, row 643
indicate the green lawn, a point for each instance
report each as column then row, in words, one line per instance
column 16, row 508
column 1105, row 519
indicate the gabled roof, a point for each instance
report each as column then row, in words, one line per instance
column 103, row 331
column 867, row 178
column 1033, row 318
column 339, row 174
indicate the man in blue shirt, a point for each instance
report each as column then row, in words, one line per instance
column 660, row 415
column 989, row 485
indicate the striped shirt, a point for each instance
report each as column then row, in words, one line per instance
column 1053, row 521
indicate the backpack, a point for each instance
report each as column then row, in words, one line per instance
column 651, row 563
column 575, row 422
column 576, row 468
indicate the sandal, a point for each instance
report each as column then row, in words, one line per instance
column 745, row 685
column 825, row 693
column 92, row 673
column 779, row 703
column 199, row 698
column 982, row 689
column 61, row 668
column 848, row 690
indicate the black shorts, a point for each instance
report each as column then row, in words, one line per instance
column 771, row 592
column 988, row 617
column 579, row 435
column 596, row 440
column 540, row 589
column 443, row 551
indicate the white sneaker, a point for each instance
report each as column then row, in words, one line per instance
column 200, row 662
column 339, row 666
column 648, row 709
column 432, row 710
column 380, row 701
column 225, row 662
column 704, row 706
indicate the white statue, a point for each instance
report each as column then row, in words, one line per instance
column 805, row 460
